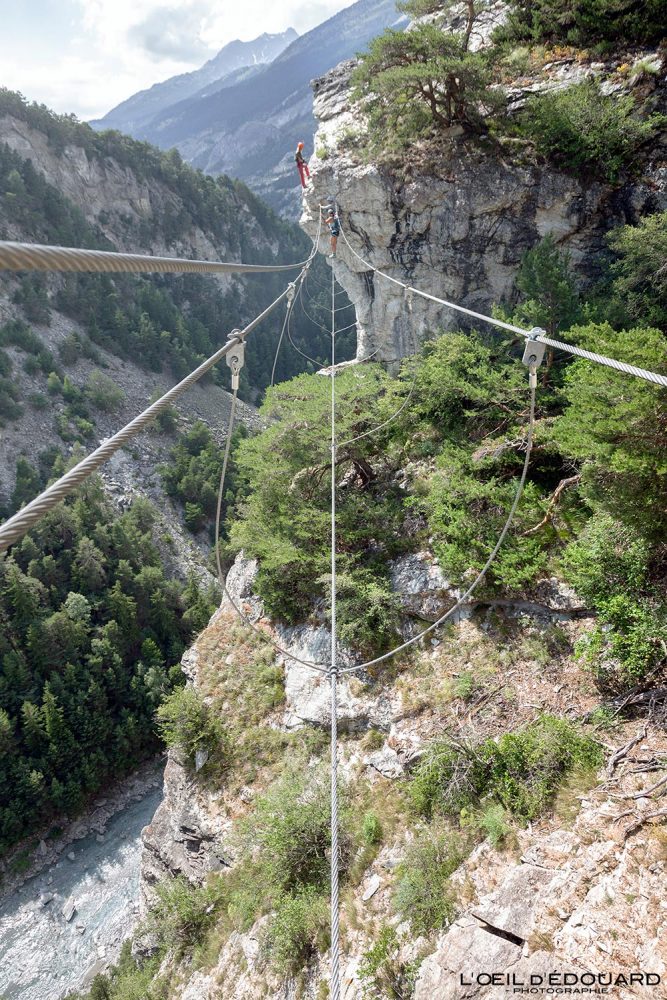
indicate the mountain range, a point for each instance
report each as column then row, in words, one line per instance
column 138, row 111
column 247, row 124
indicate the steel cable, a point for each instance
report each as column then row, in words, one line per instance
column 36, row 257
column 535, row 334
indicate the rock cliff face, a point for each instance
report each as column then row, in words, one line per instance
column 456, row 228
column 566, row 897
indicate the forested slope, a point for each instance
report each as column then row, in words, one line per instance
column 100, row 601
column 477, row 828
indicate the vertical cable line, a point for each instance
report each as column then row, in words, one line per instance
column 333, row 676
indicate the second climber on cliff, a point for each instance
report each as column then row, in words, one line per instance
column 302, row 166
column 333, row 223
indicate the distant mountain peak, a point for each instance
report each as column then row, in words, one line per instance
column 135, row 113
column 247, row 122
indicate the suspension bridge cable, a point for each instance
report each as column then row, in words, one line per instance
column 333, row 680
column 23, row 520
column 280, row 340
column 403, row 405
column 485, row 568
column 535, row 334
column 35, row 257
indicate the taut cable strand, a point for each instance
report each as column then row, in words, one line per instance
column 21, row 522
column 397, row 413
column 35, row 257
column 485, row 568
column 333, row 679
column 535, row 334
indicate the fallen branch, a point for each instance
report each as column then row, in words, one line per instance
column 644, row 794
column 563, row 485
column 643, row 819
column 623, row 752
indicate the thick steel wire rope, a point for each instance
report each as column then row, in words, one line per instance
column 17, row 526
column 24, row 519
column 463, row 599
column 36, row 257
column 333, row 681
column 290, row 302
column 535, row 334
column 306, row 357
column 322, row 288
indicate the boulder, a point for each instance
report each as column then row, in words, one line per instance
column 386, row 762
column 421, row 586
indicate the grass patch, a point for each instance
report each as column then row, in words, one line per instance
column 423, row 894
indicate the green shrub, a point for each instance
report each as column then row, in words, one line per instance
column 103, row 393
column 418, row 83
column 493, row 821
column 16, row 333
column 10, row 408
column 371, row 829
column 600, row 23
column 423, row 895
column 291, row 825
column 184, row 913
column 607, row 557
column 628, row 641
column 522, row 771
column 186, row 723
column 617, row 433
column 383, row 976
column 526, row 766
column 448, row 778
column 586, row 131
column 367, row 612
column 299, row 928
column 640, row 279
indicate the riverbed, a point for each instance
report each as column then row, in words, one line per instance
column 67, row 923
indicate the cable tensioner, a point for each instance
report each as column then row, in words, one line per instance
column 533, row 354
column 235, row 360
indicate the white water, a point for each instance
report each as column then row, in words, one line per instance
column 44, row 957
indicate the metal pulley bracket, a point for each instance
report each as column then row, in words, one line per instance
column 235, row 361
column 533, row 354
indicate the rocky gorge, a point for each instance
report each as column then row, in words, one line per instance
column 575, row 895
column 571, row 901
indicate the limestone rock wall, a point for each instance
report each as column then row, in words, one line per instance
column 456, row 227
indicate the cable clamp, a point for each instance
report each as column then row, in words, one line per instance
column 291, row 288
column 533, row 354
column 236, row 360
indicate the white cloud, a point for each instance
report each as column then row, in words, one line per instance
column 117, row 47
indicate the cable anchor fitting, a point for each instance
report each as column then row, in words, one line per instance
column 409, row 294
column 291, row 288
column 235, row 360
column 533, row 354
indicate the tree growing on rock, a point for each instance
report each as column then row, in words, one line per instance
column 421, row 82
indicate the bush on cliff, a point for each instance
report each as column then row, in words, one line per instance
column 586, row 131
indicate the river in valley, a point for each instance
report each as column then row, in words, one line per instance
column 47, row 948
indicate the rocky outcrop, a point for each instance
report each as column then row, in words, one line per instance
column 572, row 906
column 456, row 223
column 186, row 835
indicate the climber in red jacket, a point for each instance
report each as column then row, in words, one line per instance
column 304, row 172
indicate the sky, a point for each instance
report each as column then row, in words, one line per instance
column 85, row 56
